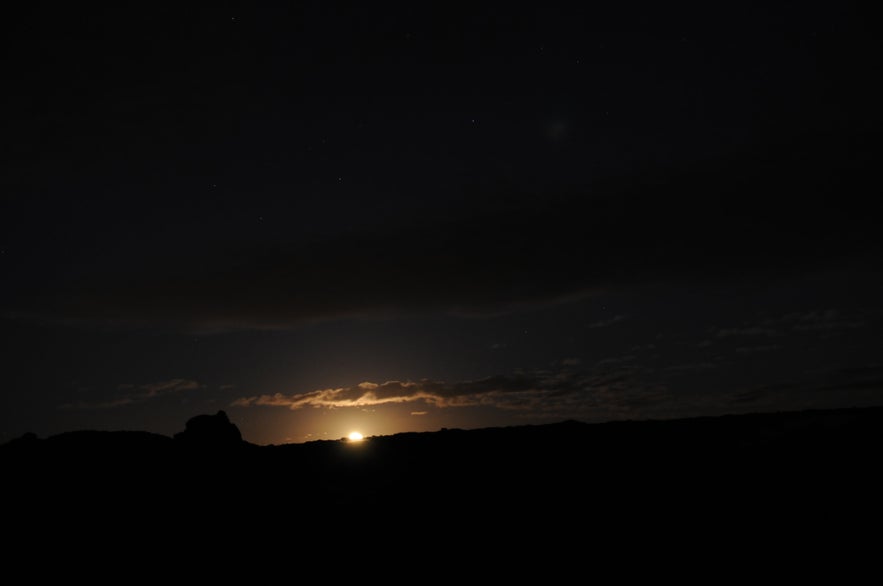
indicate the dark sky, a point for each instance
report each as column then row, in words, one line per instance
column 323, row 218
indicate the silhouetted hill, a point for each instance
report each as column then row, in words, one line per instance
column 799, row 471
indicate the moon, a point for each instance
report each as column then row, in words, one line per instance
column 355, row 436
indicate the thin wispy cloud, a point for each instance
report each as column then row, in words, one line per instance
column 823, row 322
column 823, row 388
column 128, row 394
column 746, row 331
column 608, row 322
column 757, row 348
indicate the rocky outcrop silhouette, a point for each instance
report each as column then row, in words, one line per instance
column 210, row 431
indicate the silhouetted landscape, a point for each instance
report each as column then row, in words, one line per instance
column 789, row 463
column 736, row 492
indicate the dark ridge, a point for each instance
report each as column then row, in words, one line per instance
column 797, row 469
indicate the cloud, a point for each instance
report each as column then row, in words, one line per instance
column 859, row 385
column 765, row 392
column 110, row 404
column 691, row 367
column 824, row 322
column 606, row 390
column 608, row 322
column 757, row 348
column 819, row 320
column 832, row 387
column 746, row 331
column 132, row 394
column 855, row 378
column 176, row 385
column 830, row 320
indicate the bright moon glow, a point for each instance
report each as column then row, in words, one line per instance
column 355, row 436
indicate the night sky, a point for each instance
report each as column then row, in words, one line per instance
column 412, row 217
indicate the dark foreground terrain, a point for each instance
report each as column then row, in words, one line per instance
column 735, row 483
